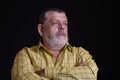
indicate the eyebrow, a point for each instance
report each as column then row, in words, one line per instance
column 58, row 20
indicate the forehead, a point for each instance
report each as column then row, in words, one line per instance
column 52, row 15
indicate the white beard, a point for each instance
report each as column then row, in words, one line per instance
column 56, row 43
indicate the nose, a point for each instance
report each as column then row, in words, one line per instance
column 61, row 26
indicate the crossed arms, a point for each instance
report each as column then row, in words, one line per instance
column 23, row 70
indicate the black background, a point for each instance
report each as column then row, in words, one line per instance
column 92, row 25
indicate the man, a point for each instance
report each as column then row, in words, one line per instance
column 54, row 58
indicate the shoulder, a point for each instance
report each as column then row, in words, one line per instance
column 28, row 50
column 80, row 51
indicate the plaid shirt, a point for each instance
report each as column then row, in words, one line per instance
column 36, row 58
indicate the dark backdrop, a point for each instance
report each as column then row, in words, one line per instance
column 92, row 25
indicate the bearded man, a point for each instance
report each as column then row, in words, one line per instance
column 53, row 58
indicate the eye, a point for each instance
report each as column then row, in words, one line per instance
column 55, row 23
column 65, row 24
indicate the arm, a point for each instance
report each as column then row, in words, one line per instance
column 86, row 72
column 86, row 69
column 22, row 68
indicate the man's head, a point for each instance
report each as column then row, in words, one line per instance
column 53, row 27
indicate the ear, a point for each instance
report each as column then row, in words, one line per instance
column 40, row 29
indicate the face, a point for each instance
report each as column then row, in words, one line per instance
column 55, row 28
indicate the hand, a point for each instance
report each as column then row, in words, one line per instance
column 81, row 64
column 41, row 73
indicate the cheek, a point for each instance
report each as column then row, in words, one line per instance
column 50, row 32
column 46, row 31
column 53, row 30
column 66, row 30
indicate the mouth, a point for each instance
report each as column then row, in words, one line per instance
column 61, row 34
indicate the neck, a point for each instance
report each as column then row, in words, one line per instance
column 54, row 52
column 54, row 48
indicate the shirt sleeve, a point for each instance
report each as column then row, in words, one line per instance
column 22, row 68
column 88, row 72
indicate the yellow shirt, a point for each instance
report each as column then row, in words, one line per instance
column 30, row 60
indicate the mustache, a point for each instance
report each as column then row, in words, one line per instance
column 61, row 33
